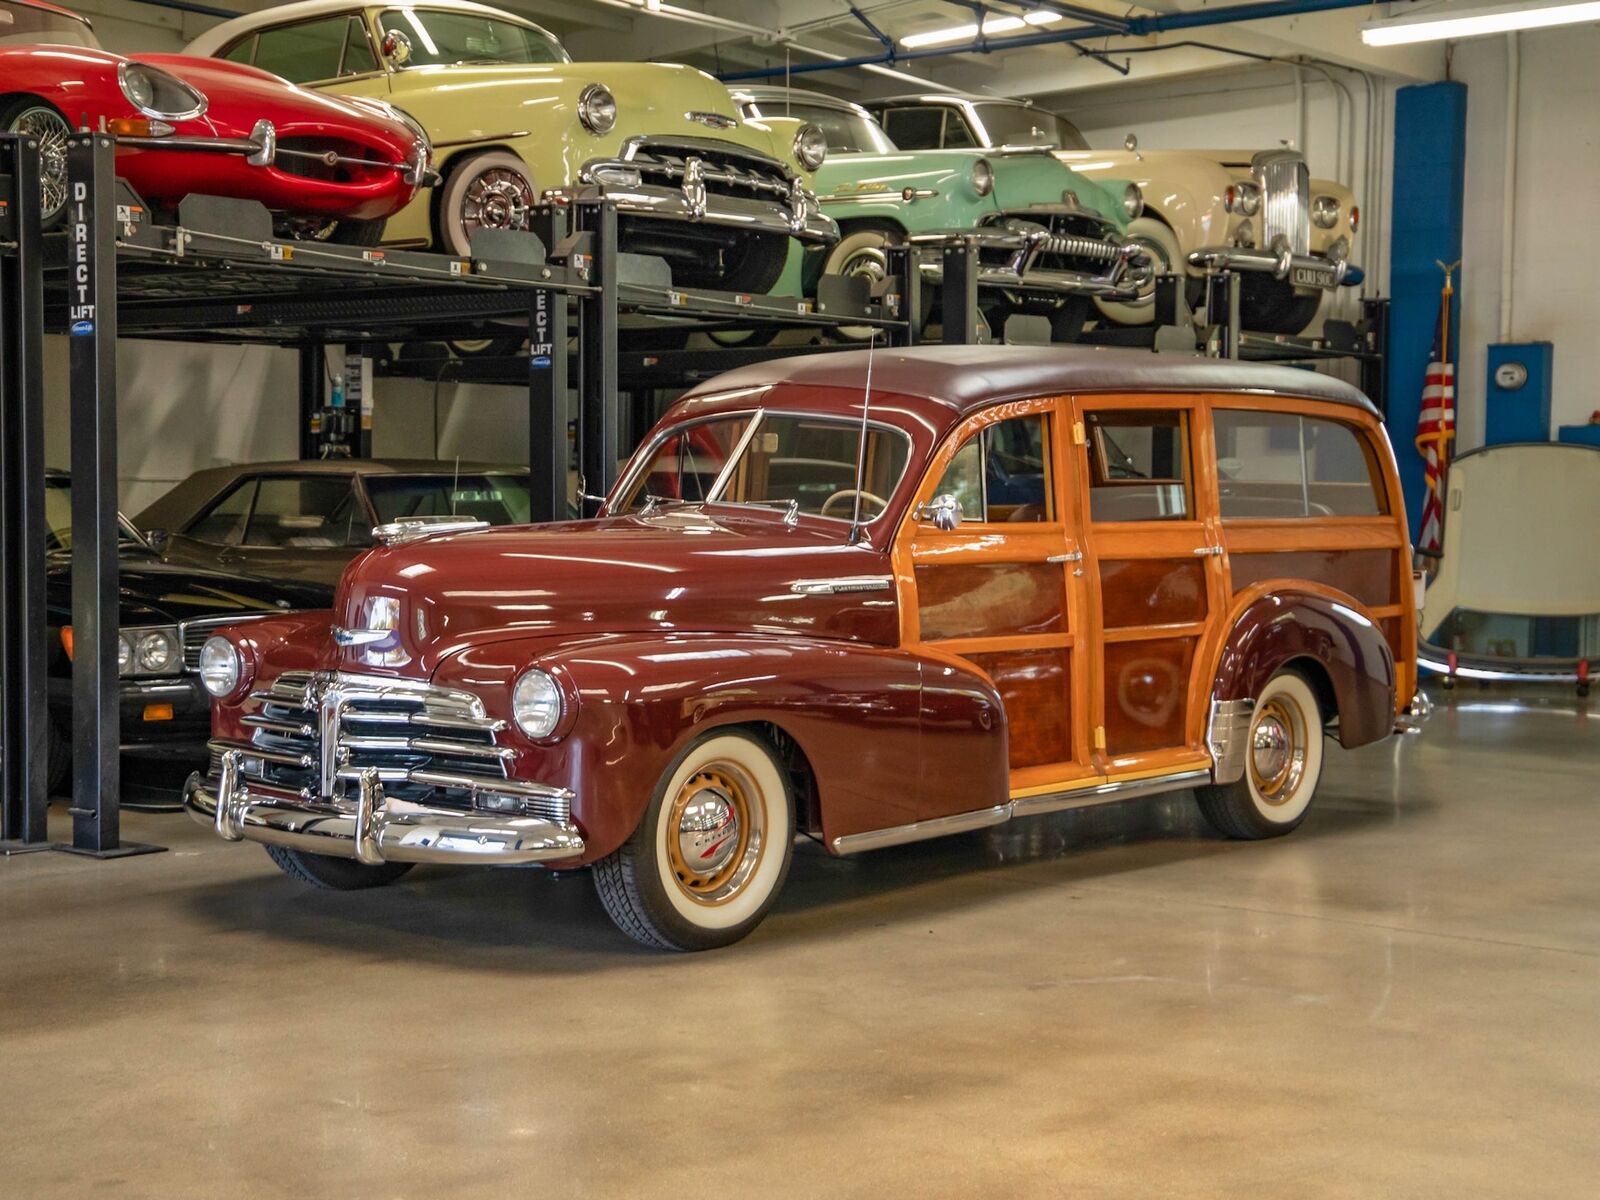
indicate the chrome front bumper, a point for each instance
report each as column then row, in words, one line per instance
column 261, row 149
column 1125, row 275
column 1302, row 270
column 372, row 828
column 790, row 212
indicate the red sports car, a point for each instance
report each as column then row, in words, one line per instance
column 327, row 167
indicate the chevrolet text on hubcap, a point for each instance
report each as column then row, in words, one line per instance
column 715, row 836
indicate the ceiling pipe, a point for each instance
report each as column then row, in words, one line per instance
column 1231, row 14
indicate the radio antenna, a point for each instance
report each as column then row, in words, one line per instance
column 861, row 444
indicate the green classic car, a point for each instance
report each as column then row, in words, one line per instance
column 1049, row 238
column 512, row 119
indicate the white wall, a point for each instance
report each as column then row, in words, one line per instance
column 1557, row 255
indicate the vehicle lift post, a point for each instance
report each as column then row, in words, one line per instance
column 91, row 221
column 599, row 430
column 547, row 384
column 24, row 731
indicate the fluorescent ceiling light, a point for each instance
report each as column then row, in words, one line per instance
column 969, row 32
column 1447, row 25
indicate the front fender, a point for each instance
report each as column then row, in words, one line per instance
column 853, row 711
column 1280, row 627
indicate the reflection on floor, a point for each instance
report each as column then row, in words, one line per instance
column 1399, row 1000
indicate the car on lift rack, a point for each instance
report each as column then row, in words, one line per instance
column 1049, row 238
column 165, row 614
column 305, row 520
column 1291, row 237
column 513, row 119
column 327, row 168
column 871, row 597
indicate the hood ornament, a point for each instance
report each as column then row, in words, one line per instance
column 711, row 120
column 397, row 533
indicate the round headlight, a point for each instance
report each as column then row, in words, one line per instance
column 157, row 94
column 536, row 703
column 156, row 652
column 982, row 177
column 1250, row 200
column 124, row 654
column 1325, row 212
column 220, row 666
column 597, row 108
column 1132, row 201
column 810, row 147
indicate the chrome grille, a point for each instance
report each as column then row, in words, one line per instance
column 1285, row 183
column 318, row 733
column 726, row 170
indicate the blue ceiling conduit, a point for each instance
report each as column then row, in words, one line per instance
column 1230, row 14
column 204, row 10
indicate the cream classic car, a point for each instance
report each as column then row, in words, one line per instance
column 512, row 118
column 1289, row 236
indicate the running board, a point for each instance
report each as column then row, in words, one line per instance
column 1022, row 806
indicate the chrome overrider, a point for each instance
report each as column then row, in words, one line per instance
column 348, row 808
column 689, row 179
column 1121, row 271
column 1285, row 240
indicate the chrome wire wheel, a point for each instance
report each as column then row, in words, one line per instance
column 715, row 835
column 50, row 129
column 491, row 190
column 498, row 199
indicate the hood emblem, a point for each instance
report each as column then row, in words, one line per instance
column 711, row 120
column 379, row 632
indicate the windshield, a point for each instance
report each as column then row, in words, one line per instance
column 58, row 521
column 1021, row 125
column 441, row 38
column 22, row 24
column 809, row 461
column 497, row 499
column 847, row 131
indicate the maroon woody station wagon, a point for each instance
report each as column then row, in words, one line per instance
column 1023, row 580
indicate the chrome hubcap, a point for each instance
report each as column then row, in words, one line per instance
column 498, row 199
column 871, row 265
column 708, row 831
column 1278, row 749
column 51, row 132
column 1270, row 747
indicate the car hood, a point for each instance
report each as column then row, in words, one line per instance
column 711, row 569
column 151, row 592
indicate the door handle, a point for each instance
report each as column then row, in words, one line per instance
column 1073, row 556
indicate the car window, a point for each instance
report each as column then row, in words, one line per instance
column 1024, row 125
column 957, row 134
column 686, row 464
column 1002, row 474
column 359, row 57
column 23, row 24
column 242, row 51
column 304, row 51
column 1138, row 465
column 1274, row 465
column 223, row 523
column 914, row 128
column 847, row 131
column 312, row 512
column 438, row 37
column 497, row 499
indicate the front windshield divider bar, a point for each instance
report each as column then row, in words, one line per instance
column 91, row 217
column 24, row 732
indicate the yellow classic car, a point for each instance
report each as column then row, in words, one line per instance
column 512, row 118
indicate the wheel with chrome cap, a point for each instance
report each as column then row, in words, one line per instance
column 492, row 190
column 713, row 849
column 1282, row 764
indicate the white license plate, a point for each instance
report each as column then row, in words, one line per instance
column 1317, row 277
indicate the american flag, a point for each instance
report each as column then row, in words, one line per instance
column 1436, row 427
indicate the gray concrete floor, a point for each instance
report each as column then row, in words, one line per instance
column 1399, row 1000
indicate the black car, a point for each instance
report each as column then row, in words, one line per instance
column 166, row 614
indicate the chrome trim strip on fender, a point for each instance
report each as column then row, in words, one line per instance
column 844, row 583
column 1228, row 738
column 1023, row 806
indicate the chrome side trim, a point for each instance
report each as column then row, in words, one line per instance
column 844, row 583
column 1023, row 806
column 1228, row 738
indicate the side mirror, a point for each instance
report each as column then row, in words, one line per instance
column 158, row 539
column 943, row 511
column 396, row 47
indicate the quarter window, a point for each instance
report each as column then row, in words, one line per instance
column 1138, row 465
column 1003, row 473
column 1280, row 465
column 223, row 523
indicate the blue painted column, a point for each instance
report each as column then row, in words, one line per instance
column 1430, row 155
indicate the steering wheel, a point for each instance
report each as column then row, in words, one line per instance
column 850, row 494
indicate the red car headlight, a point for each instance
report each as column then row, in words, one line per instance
column 157, row 94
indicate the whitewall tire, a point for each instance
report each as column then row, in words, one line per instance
column 1283, row 764
column 1166, row 258
column 492, row 190
column 711, row 852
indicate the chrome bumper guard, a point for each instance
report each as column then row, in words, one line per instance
column 261, row 149
column 1303, row 270
column 1125, row 274
column 372, row 828
column 789, row 209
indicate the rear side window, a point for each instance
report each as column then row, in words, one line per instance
column 914, row 128
column 1003, row 473
column 1280, row 465
column 303, row 52
column 1138, row 465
